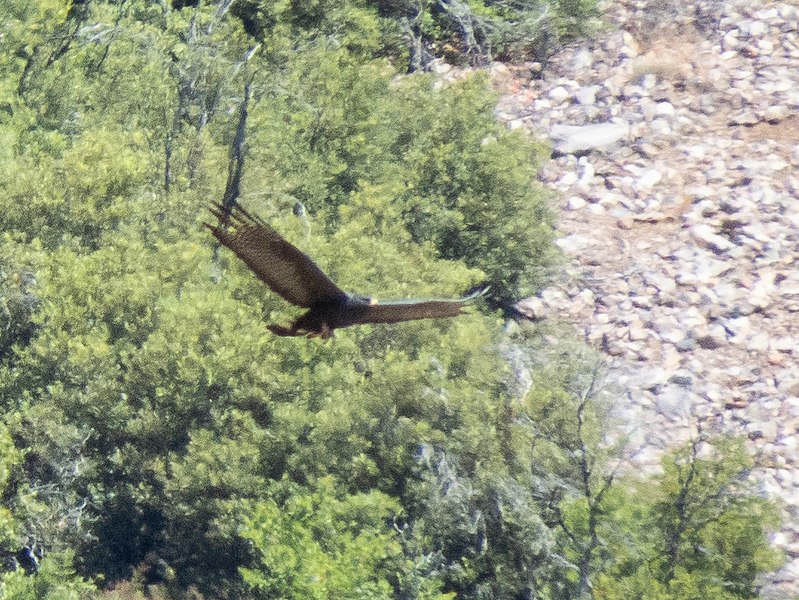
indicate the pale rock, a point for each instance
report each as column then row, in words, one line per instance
column 715, row 336
column 553, row 297
column 648, row 81
column 765, row 46
column 650, row 178
column 587, row 296
column 770, row 13
column 440, row 67
column 582, row 60
column 661, row 127
column 671, row 359
column 533, row 308
column 789, row 383
column 665, row 109
column 697, row 152
column 568, row 179
column 730, row 41
column 780, row 538
column 775, row 163
column 785, row 344
column 773, row 450
column 585, row 184
column 775, row 358
column 674, row 401
column 740, row 328
column 755, row 28
column 575, row 203
column 784, row 84
column 625, row 222
column 559, row 94
column 586, row 96
column 609, row 199
column 746, row 118
column 692, row 318
column 759, row 342
column 642, row 301
column 762, row 429
column 570, row 139
column 706, row 237
column 647, row 149
column 573, row 244
column 790, row 442
column 663, row 283
column 596, row 209
column 696, row 301
column 760, row 294
column 673, row 336
column 777, row 113
column 585, row 171
column 784, row 475
column 649, row 378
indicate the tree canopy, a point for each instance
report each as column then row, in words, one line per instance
column 157, row 440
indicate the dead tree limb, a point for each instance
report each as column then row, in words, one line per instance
column 236, row 161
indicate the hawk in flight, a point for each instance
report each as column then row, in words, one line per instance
column 294, row 276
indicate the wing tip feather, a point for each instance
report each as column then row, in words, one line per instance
column 481, row 293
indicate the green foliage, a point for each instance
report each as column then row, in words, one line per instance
column 711, row 525
column 698, row 530
column 56, row 580
column 488, row 536
column 705, row 532
column 567, row 420
column 315, row 545
column 470, row 31
column 10, row 458
column 432, row 159
column 157, row 439
column 499, row 223
column 18, row 299
column 478, row 31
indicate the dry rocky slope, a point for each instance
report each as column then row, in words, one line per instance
column 676, row 136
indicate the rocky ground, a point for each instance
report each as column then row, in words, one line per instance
column 676, row 144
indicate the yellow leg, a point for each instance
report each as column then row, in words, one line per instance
column 282, row 331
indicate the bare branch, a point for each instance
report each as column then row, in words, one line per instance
column 474, row 37
column 236, row 163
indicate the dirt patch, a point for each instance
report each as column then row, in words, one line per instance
column 786, row 130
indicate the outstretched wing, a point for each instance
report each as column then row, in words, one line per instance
column 395, row 311
column 277, row 263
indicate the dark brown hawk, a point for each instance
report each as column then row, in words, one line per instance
column 292, row 274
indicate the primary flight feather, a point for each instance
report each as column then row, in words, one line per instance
column 294, row 276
